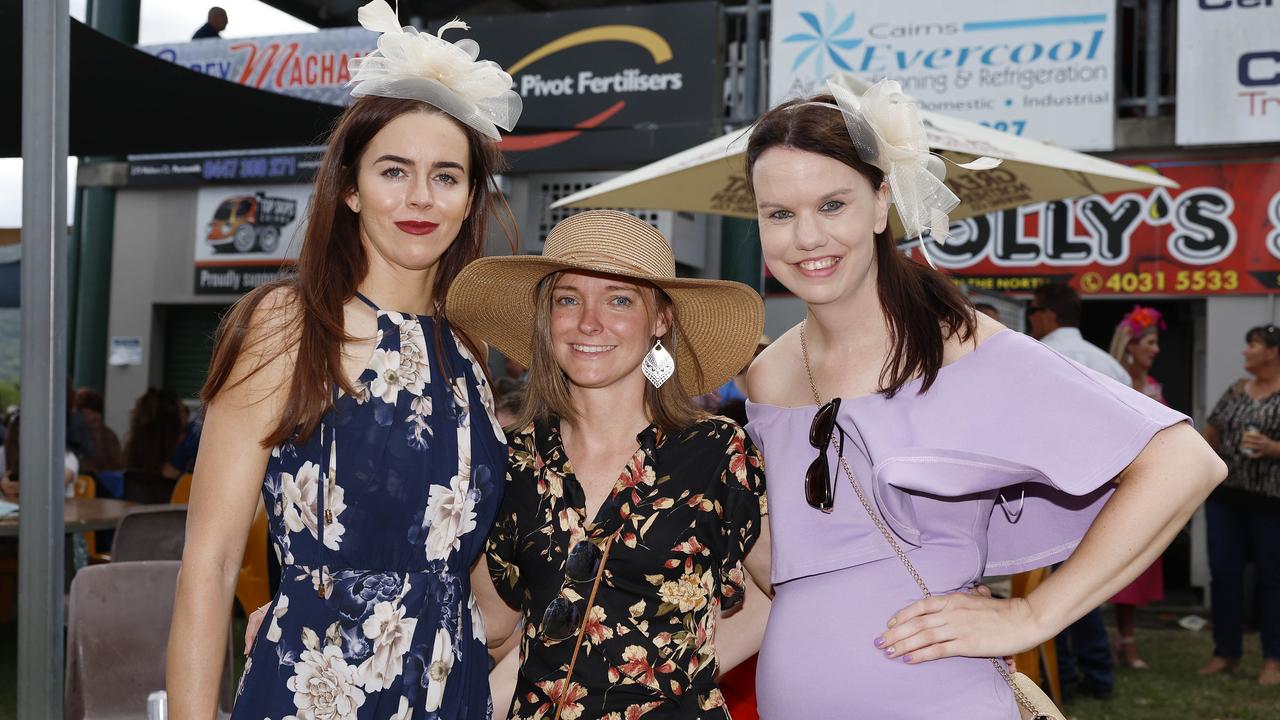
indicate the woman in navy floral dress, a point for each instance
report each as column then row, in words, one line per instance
column 342, row 399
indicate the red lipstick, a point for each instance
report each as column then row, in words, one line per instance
column 417, row 228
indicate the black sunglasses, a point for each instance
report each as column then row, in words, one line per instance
column 817, row 479
column 563, row 616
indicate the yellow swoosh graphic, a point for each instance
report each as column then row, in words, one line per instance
column 644, row 37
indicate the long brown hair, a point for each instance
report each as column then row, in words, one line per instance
column 332, row 263
column 155, row 426
column 547, row 392
column 922, row 307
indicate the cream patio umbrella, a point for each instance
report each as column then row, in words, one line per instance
column 711, row 177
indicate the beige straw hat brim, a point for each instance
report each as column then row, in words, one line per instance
column 719, row 321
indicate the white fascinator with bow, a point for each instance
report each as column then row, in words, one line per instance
column 419, row 66
column 888, row 132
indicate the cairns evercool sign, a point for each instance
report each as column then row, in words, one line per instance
column 1045, row 69
column 602, row 88
column 1228, row 71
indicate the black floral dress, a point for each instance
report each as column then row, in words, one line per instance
column 683, row 514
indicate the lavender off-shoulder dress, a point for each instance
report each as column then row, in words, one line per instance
column 999, row 468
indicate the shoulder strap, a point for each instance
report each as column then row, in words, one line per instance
column 367, row 301
column 582, row 630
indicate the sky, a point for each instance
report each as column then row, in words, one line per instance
column 162, row 21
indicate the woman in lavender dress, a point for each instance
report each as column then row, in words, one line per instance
column 977, row 449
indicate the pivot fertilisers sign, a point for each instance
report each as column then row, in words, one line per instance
column 1044, row 69
column 1228, row 71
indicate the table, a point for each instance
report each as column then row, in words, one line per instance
column 80, row 515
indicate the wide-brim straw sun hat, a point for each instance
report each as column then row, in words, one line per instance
column 719, row 321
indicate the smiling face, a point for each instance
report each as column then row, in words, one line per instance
column 413, row 191
column 1144, row 350
column 818, row 220
column 601, row 327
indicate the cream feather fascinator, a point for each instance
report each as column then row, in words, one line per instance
column 448, row 75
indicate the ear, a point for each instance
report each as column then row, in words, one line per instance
column 882, row 207
column 663, row 323
column 353, row 201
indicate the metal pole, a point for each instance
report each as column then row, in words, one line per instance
column 1154, row 23
column 45, row 69
column 751, row 73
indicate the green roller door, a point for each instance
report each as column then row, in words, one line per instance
column 188, row 346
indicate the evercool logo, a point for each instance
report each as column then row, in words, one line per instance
column 585, row 82
column 832, row 44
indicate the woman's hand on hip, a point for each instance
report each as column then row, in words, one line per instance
column 962, row 624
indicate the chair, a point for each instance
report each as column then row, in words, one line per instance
column 152, row 532
column 118, row 631
column 85, row 487
column 1038, row 662
column 253, row 589
column 182, row 491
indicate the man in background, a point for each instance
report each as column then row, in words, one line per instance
column 214, row 27
column 1084, row 651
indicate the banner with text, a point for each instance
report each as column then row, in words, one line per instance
column 1044, row 70
column 602, row 88
column 1217, row 235
column 244, row 235
column 1228, row 72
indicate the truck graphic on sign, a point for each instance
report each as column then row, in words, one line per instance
column 244, row 223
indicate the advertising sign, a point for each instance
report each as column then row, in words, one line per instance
column 1217, row 235
column 244, row 235
column 279, row 166
column 602, row 88
column 1228, row 71
column 1044, row 69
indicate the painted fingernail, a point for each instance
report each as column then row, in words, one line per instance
column 888, row 652
column 893, row 621
column 880, row 642
column 906, row 658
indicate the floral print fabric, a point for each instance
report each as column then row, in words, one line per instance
column 402, row 481
column 683, row 514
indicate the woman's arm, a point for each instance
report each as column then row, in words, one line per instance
column 1156, row 495
column 224, row 495
column 1213, row 436
column 499, row 618
column 739, row 634
column 502, row 684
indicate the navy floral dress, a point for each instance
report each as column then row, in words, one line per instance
column 376, row 520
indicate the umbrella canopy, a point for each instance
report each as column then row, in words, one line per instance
column 711, row 177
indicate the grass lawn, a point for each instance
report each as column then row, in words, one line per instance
column 1170, row 690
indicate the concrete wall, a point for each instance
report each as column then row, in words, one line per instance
column 152, row 266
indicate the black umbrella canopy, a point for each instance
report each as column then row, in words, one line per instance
column 125, row 101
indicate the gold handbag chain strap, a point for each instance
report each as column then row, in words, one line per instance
column 888, row 536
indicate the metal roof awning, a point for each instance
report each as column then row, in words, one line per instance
column 126, row 101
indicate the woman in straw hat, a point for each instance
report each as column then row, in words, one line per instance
column 628, row 515
column 341, row 399
column 959, row 447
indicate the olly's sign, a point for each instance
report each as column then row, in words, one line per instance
column 1218, row 234
column 604, row 88
column 1043, row 69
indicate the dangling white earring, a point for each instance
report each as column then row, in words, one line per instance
column 658, row 364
